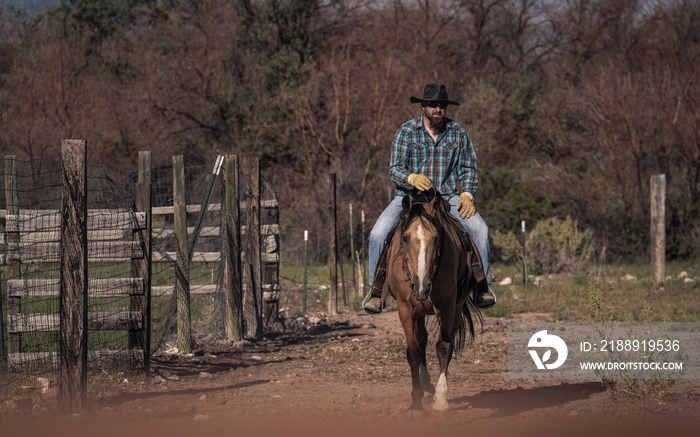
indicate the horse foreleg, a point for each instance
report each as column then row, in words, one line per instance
column 422, row 336
column 440, row 397
column 415, row 356
column 414, row 361
column 444, row 349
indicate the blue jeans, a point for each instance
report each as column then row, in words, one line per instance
column 475, row 226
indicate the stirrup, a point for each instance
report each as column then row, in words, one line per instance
column 372, row 309
column 487, row 305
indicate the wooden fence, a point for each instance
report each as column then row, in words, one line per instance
column 75, row 236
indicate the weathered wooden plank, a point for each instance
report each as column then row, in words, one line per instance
column 158, row 256
column 97, row 287
column 167, row 290
column 97, row 321
column 97, row 219
column 133, row 358
column 161, row 256
column 269, row 244
column 168, row 210
column 203, row 289
column 96, row 235
column 269, row 203
column 206, row 231
column 97, row 251
column 214, row 231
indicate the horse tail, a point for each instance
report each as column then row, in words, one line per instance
column 470, row 320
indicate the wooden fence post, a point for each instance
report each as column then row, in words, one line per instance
column 232, row 283
column 363, row 257
column 184, row 320
column 658, row 229
column 141, row 268
column 74, row 285
column 523, row 252
column 145, row 167
column 352, row 252
column 253, row 261
column 306, row 266
column 14, row 269
column 333, row 248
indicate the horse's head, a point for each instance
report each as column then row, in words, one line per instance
column 421, row 240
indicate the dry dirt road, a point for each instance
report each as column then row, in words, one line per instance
column 347, row 376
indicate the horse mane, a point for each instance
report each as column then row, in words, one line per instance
column 417, row 211
column 419, row 206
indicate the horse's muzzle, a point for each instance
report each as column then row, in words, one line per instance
column 421, row 295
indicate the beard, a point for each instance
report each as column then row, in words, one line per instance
column 436, row 122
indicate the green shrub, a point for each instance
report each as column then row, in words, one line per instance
column 554, row 246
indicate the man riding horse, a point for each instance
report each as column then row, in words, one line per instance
column 431, row 151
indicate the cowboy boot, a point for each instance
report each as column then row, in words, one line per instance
column 373, row 303
column 485, row 297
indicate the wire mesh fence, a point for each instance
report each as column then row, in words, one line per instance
column 30, row 294
column 207, row 302
column 30, row 340
column 205, row 269
column 41, row 191
column 30, row 284
column 305, row 272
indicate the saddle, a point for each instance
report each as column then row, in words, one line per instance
column 476, row 268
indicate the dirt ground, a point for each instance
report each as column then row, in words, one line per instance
column 347, row 376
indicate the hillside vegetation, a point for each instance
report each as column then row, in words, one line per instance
column 572, row 105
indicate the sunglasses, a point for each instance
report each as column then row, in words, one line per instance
column 436, row 105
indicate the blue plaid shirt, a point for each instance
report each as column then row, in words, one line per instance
column 450, row 163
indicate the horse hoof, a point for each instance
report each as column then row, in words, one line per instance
column 416, row 413
column 440, row 405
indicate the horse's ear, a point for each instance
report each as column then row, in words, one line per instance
column 406, row 204
column 439, row 204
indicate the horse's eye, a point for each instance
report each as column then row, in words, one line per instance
column 404, row 238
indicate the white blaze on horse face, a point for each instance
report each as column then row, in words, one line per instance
column 422, row 265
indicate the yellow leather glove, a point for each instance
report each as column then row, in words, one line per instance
column 465, row 206
column 420, row 181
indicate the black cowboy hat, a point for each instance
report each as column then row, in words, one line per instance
column 434, row 93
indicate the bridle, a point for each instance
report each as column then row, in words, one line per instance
column 436, row 259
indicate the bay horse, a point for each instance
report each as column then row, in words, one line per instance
column 429, row 273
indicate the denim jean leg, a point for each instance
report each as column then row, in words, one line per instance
column 377, row 236
column 477, row 229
